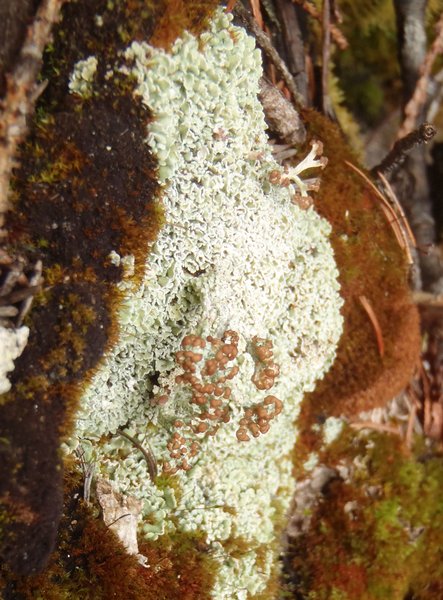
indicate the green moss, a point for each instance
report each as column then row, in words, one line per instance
column 379, row 548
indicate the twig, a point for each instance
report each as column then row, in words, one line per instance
column 402, row 147
column 35, row 283
column 427, row 401
column 375, row 324
column 88, row 473
column 411, row 419
column 326, row 53
column 376, row 426
column 398, row 208
column 255, row 6
column 336, row 34
column 148, row 454
column 389, row 213
column 427, row 299
column 22, row 92
column 280, row 114
column 418, row 99
column 266, row 45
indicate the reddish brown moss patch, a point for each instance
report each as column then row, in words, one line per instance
column 90, row 563
column 371, row 264
column 180, row 15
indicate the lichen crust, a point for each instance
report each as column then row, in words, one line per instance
column 12, row 343
column 237, row 316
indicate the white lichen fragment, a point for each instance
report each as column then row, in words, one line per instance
column 12, row 344
column 332, row 428
column 235, row 255
column 82, row 77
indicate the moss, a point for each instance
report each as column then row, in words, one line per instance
column 86, row 187
column 371, row 264
column 371, row 536
column 179, row 15
column 89, row 562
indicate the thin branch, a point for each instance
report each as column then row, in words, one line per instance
column 22, row 92
column 266, row 45
column 418, row 99
column 389, row 213
column 280, row 114
column 376, row 426
column 336, row 34
column 399, row 210
column 375, row 324
column 255, row 6
column 402, row 147
column 326, row 54
column 411, row 421
column 148, row 454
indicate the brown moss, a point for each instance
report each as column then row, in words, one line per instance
column 179, row 15
column 86, row 186
column 89, row 562
column 371, row 264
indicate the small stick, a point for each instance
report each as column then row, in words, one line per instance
column 336, row 34
column 402, row 217
column 375, row 324
column 326, row 52
column 21, row 94
column 280, row 114
column 402, row 147
column 88, row 473
column 427, row 404
column 418, row 99
column 411, row 421
column 266, row 45
column 148, row 454
column 255, row 6
column 35, row 282
column 376, row 426
column 389, row 212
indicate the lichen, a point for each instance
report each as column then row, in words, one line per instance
column 12, row 343
column 237, row 264
column 82, row 76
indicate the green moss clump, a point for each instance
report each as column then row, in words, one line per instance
column 379, row 534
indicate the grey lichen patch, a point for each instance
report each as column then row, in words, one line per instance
column 80, row 81
column 12, row 344
column 237, row 261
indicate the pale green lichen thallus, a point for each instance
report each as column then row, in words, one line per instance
column 237, row 316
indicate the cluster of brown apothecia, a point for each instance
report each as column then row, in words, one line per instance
column 208, row 380
column 258, row 418
column 266, row 370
